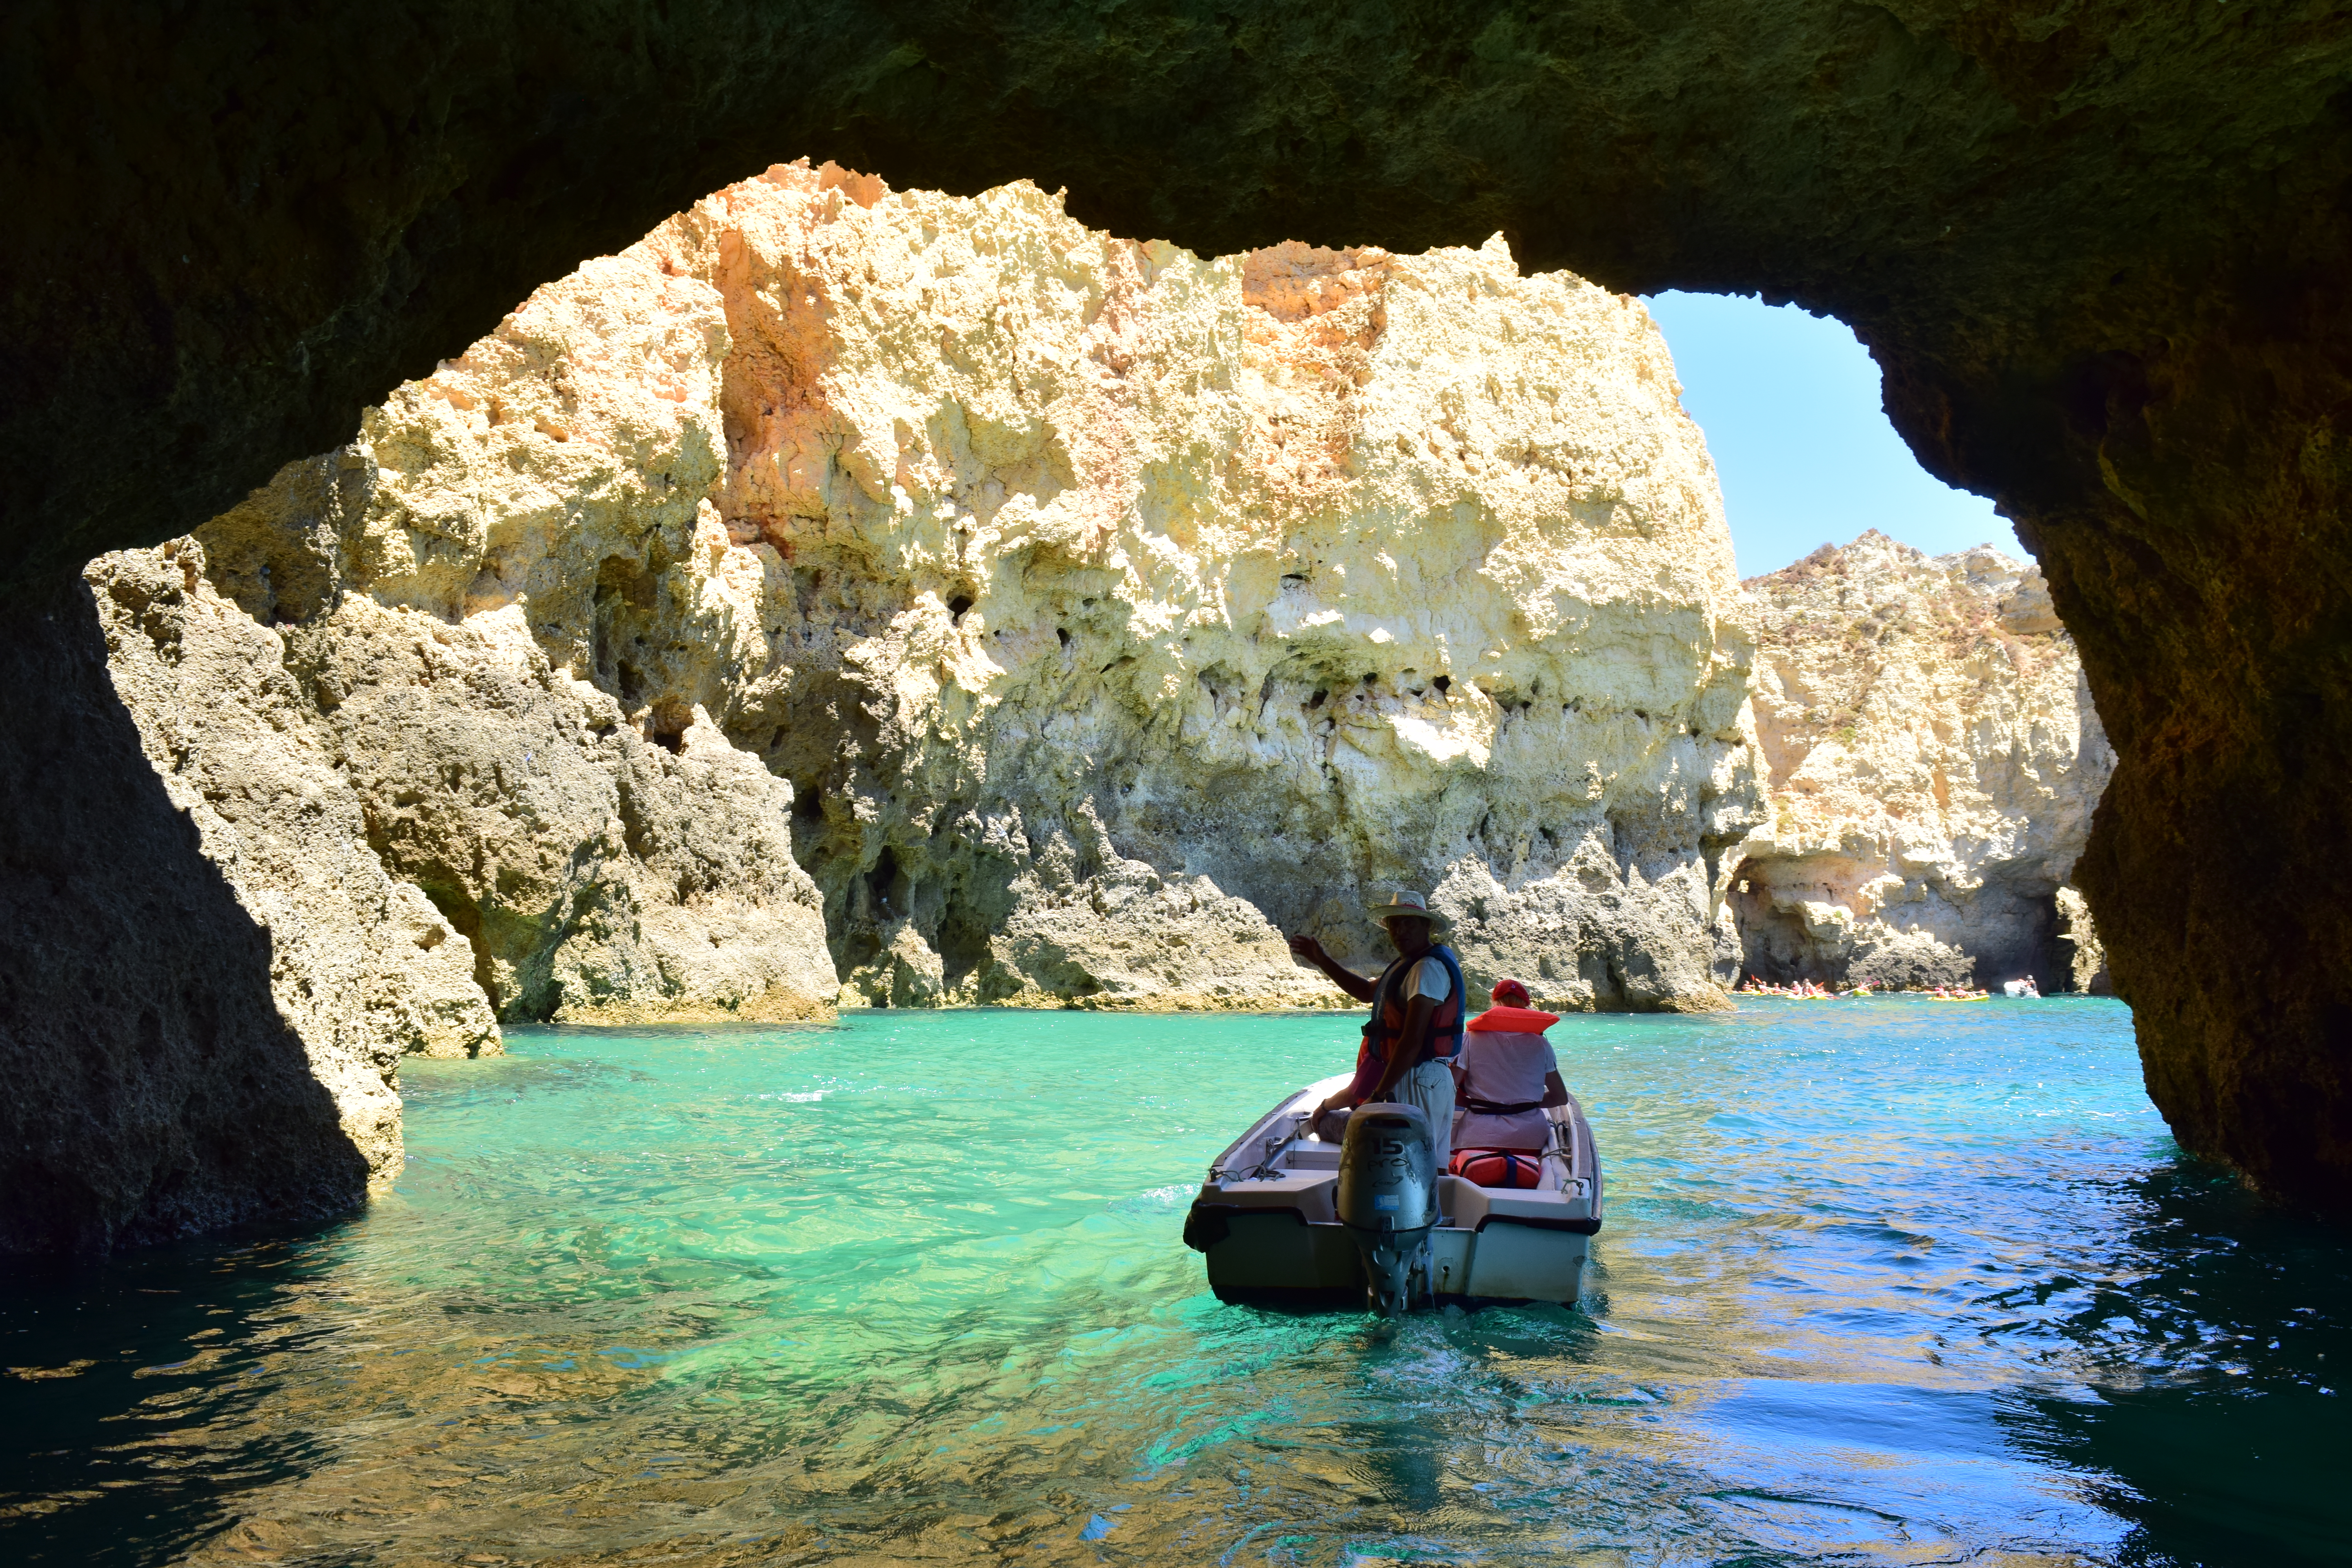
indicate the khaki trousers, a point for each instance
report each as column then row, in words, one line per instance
column 1430, row 1086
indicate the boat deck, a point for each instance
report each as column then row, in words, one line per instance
column 1268, row 1219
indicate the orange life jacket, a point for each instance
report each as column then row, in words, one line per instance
column 1498, row 1167
column 1443, row 1040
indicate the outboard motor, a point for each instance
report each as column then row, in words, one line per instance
column 1387, row 1201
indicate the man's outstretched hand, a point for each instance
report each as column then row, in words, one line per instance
column 1308, row 950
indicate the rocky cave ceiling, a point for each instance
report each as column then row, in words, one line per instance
column 2097, row 249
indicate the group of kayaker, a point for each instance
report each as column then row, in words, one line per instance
column 1810, row 990
column 1804, row 988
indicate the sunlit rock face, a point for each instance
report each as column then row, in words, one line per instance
column 364, row 967
column 2086, row 955
column 1088, row 610
column 457, row 610
column 1934, row 762
column 1122, row 606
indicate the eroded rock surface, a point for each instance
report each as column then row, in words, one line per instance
column 1121, row 605
column 1105, row 606
column 1935, row 760
column 2086, row 955
column 467, row 605
column 169, row 1063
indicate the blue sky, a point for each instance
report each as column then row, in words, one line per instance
column 1790, row 404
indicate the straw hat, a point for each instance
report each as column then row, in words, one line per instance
column 1408, row 906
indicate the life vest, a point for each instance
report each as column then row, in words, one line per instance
column 1498, row 1167
column 1444, row 1041
column 1507, row 1020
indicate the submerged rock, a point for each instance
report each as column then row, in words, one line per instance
column 1934, row 759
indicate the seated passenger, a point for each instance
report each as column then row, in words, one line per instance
column 1506, row 1076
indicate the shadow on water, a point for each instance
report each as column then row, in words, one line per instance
column 2220, row 1333
column 104, row 1362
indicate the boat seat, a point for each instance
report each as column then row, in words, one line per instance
column 1519, row 1168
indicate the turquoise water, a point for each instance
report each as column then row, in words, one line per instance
column 1894, row 1281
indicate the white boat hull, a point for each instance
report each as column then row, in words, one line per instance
column 1265, row 1220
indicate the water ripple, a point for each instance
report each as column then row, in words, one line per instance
column 1883, row 1283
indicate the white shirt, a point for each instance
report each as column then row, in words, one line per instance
column 1504, row 1069
column 1428, row 979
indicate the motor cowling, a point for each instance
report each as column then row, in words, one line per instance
column 1387, row 1200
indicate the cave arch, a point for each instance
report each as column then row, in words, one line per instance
column 2095, row 249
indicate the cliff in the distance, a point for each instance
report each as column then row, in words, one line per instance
column 1122, row 606
column 1083, row 610
column 1933, row 761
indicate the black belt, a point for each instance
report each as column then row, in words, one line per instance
column 1491, row 1108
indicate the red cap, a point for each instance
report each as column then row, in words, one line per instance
column 1510, row 993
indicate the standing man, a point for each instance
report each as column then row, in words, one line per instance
column 1416, row 1028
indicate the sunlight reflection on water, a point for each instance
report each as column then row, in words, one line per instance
column 1890, row 1281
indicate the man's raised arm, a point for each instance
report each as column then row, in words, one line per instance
column 1347, row 980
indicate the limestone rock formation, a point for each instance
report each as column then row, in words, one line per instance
column 1105, row 607
column 2087, row 960
column 375, row 818
column 1120, row 602
column 1935, row 759
column 164, row 1068
column 364, row 969
column 467, row 602
column 1084, row 609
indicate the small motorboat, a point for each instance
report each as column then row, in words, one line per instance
column 1287, row 1217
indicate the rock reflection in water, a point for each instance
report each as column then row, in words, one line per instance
column 1883, row 1282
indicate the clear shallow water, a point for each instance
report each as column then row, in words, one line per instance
column 1894, row 1281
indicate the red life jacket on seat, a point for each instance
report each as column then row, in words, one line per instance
column 1497, row 1167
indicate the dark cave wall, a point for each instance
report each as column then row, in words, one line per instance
column 2097, row 252
column 150, row 1086
column 236, row 223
